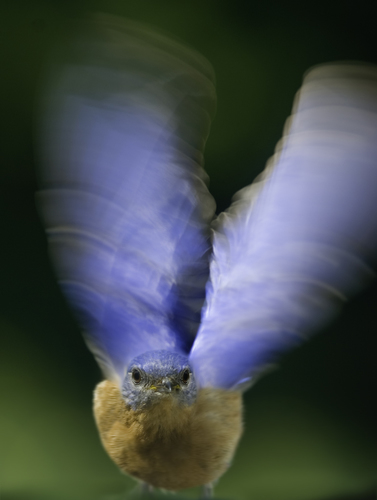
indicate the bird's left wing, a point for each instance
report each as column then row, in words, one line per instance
column 123, row 126
column 300, row 240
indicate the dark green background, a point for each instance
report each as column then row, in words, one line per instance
column 310, row 426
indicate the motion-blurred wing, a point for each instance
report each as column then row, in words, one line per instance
column 124, row 194
column 299, row 241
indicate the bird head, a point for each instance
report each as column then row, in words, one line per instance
column 156, row 376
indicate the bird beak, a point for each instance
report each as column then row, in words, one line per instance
column 166, row 385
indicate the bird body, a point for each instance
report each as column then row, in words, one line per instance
column 170, row 446
column 183, row 310
column 160, row 429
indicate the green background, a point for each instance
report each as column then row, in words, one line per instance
column 309, row 426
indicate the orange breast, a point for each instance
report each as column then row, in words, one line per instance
column 170, row 446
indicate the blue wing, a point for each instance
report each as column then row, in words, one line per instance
column 124, row 194
column 300, row 240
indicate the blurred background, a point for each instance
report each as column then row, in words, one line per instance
column 310, row 425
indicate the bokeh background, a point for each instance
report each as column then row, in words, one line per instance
column 310, row 425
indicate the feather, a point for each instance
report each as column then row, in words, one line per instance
column 301, row 240
column 125, row 118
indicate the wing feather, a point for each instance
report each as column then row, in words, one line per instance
column 302, row 239
column 123, row 193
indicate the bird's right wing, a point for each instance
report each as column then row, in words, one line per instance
column 124, row 119
column 302, row 239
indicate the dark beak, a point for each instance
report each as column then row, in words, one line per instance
column 166, row 383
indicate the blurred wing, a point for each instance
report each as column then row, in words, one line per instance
column 124, row 196
column 300, row 240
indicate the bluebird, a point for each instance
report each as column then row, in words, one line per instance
column 183, row 310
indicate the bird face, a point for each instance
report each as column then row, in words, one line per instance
column 156, row 376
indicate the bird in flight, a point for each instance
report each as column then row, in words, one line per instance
column 184, row 310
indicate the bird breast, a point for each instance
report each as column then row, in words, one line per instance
column 168, row 445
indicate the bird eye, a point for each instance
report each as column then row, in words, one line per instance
column 185, row 375
column 136, row 376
